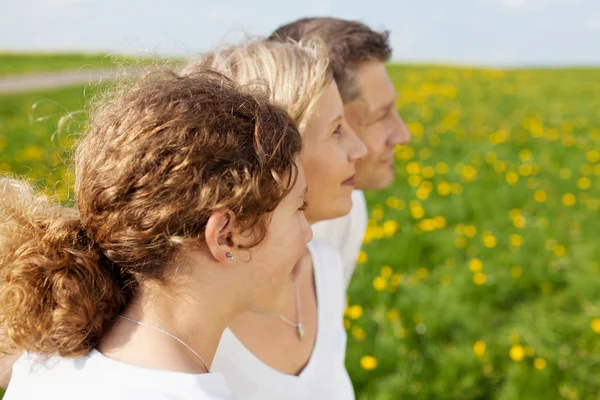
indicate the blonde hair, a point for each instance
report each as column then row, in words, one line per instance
column 293, row 75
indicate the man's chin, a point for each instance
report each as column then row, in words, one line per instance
column 377, row 181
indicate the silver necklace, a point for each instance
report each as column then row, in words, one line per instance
column 299, row 327
column 168, row 334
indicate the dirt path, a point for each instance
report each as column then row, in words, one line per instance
column 50, row 80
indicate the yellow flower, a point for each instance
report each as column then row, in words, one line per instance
column 422, row 273
column 470, row 231
column 516, row 240
column 415, row 128
column 469, row 173
column 396, row 279
column 422, row 193
column 417, row 212
column 568, row 199
column 565, row 173
column 354, row 312
column 512, row 178
column 460, row 242
column 380, row 283
column 499, row 166
column 346, row 324
column 405, row 153
column 368, row 362
column 428, row 172
column 386, row 271
column 559, row 250
column 362, row 257
column 593, row 156
column 525, row 169
column 516, row 272
column 444, row 188
column 475, row 265
column 442, row 168
column 393, row 202
column 539, row 363
column 414, row 180
column 377, row 213
column 413, row 168
column 479, row 348
column 32, row 153
column 530, row 351
column 392, row 315
column 490, row 157
column 517, row 352
column 440, row 222
column 540, row 196
column 359, row 333
column 489, row 241
column 479, row 278
column 427, row 185
column 427, row 225
column 595, row 325
column 456, row 188
column 584, row 183
column 390, row 227
column 525, row 155
column 519, row 221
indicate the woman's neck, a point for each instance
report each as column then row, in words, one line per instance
column 197, row 317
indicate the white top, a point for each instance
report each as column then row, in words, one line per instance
column 346, row 233
column 325, row 376
column 97, row 377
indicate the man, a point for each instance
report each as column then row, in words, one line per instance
column 358, row 55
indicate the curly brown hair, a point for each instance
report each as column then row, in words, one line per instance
column 350, row 43
column 160, row 156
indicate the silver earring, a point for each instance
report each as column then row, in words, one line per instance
column 230, row 256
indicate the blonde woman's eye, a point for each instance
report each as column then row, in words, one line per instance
column 338, row 130
column 304, row 206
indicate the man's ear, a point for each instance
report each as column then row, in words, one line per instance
column 221, row 235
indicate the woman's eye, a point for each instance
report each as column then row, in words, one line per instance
column 304, row 206
column 338, row 130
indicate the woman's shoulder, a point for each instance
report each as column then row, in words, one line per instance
column 95, row 377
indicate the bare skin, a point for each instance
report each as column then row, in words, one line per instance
column 373, row 116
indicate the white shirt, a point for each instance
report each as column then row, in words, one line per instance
column 325, row 376
column 97, row 377
column 346, row 233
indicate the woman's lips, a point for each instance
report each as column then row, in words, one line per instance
column 349, row 181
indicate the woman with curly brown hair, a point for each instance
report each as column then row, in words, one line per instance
column 189, row 211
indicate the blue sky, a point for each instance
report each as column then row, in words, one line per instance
column 480, row 32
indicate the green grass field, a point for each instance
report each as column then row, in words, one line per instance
column 479, row 275
column 28, row 63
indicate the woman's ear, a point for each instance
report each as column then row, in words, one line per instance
column 221, row 235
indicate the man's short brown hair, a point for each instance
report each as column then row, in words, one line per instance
column 349, row 42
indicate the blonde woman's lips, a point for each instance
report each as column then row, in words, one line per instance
column 349, row 181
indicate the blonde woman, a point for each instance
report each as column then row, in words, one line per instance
column 298, row 353
column 190, row 210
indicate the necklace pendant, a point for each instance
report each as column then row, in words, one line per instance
column 300, row 330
